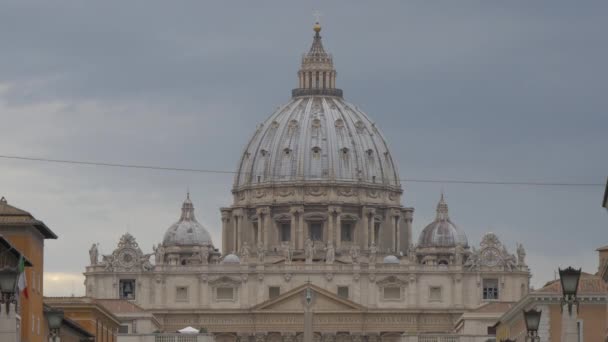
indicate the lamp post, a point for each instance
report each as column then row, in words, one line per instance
column 8, row 279
column 54, row 318
column 532, row 319
column 605, row 203
column 569, row 279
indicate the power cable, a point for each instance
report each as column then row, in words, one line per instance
column 406, row 180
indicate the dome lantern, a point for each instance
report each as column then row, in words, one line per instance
column 317, row 75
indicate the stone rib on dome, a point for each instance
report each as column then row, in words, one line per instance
column 442, row 232
column 187, row 231
column 317, row 138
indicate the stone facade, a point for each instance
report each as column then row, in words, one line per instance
column 316, row 215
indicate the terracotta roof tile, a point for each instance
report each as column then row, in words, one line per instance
column 588, row 284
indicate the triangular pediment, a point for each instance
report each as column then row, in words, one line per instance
column 323, row 300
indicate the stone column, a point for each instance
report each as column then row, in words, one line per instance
column 330, row 225
column 8, row 324
column 365, row 229
column 338, row 228
column 267, row 227
column 301, row 229
column 237, row 233
column 408, row 217
column 292, row 233
column 289, row 337
column 225, row 221
column 260, row 224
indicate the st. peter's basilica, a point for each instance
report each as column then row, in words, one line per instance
column 316, row 220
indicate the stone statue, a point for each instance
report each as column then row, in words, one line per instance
column 108, row 262
column 94, row 254
column 261, row 253
column 244, row 252
column 510, row 261
column 159, row 254
column 309, row 251
column 146, row 265
column 459, row 254
column 521, row 255
column 473, row 260
column 354, row 254
column 288, row 254
column 373, row 252
column 330, row 254
column 204, row 255
column 412, row 254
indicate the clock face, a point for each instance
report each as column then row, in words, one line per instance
column 490, row 257
column 127, row 258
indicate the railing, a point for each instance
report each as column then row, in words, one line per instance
column 447, row 338
column 316, row 91
column 165, row 337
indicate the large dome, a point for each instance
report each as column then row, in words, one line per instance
column 317, row 136
column 187, row 231
column 442, row 232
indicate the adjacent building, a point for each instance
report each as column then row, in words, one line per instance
column 27, row 234
column 591, row 316
column 316, row 217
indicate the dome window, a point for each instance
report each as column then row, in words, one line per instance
column 344, row 151
column 316, row 123
column 339, row 123
column 316, row 152
column 287, row 151
column 274, row 124
column 263, row 153
column 370, row 152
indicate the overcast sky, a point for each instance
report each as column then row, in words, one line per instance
column 510, row 91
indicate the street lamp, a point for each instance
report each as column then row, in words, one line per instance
column 569, row 278
column 532, row 318
column 8, row 279
column 54, row 318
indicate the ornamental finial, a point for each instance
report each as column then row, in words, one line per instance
column 317, row 26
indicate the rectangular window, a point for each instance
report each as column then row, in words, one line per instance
column 224, row 293
column 285, row 232
column 273, row 292
column 343, row 291
column 392, row 293
column 490, row 289
column 255, row 233
column 346, row 231
column 123, row 329
column 181, row 294
column 126, row 289
column 435, row 294
column 316, row 231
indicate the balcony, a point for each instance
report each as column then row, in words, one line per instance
column 165, row 337
column 447, row 338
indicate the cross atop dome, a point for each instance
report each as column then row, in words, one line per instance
column 317, row 75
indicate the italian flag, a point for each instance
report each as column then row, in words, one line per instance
column 22, row 283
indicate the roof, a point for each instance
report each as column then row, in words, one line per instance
column 493, row 307
column 14, row 216
column 13, row 250
column 119, row 306
column 80, row 302
column 588, row 284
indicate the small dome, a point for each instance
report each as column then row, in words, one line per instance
column 187, row 231
column 442, row 232
column 391, row 259
column 231, row 259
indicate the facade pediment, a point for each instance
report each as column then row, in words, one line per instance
column 323, row 301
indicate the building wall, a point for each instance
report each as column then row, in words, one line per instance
column 458, row 289
column 31, row 243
